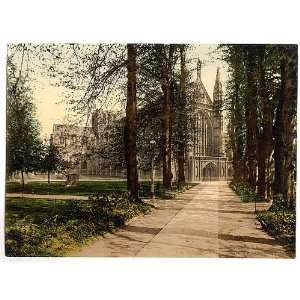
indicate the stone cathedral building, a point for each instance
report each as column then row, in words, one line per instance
column 206, row 159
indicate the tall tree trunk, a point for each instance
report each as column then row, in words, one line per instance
column 130, row 127
column 265, row 134
column 166, row 85
column 182, row 119
column 251, row 115
column 237, row 141
column 285, row 121
column 48, row 177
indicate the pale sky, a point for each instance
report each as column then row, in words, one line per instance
column 51, row 104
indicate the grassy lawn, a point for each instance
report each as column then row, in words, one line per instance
column 85, row 188
column 39, row 227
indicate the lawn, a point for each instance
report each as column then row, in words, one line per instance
column 86, row 188
column 39, row 227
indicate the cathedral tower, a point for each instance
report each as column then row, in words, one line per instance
column 217, row 103
column 199, row 70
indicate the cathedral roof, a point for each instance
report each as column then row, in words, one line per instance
column 199, row 91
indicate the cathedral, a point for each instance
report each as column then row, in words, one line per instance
column 206, row 159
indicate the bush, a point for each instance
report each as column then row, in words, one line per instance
column 280, row 222
column 172, row 193
column 281, row 225
column 246, row 194
column 75, row 222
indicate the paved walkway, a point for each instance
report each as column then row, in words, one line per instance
column 206, row 221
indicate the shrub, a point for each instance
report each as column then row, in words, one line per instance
column 280, row 222
column 246, row 194
column 281, row 225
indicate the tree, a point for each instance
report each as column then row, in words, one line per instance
column 265, row 118
column 251, row 113
column 130, row 127
column 182, row 118
column 23, row 144
column 285, row 121
column 165, row 58
column 233, row 55
column 51, row 159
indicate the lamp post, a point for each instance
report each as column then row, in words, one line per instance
column 152, row 145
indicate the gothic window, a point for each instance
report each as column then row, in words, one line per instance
column 203, row 138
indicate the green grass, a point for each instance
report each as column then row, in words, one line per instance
column 39, row 227
column 86, row 188
column 59, row 188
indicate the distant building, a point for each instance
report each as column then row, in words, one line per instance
column 79, row 145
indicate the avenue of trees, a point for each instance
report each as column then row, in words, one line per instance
column 261, row 106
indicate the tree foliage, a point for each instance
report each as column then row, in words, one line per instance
column 22, row 133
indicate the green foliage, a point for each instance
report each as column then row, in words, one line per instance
column 22, row 132
column 50, row 228
column 51, row 159
column 246, row 194
column 280, row 223
column 278, row 204
column 172, row 193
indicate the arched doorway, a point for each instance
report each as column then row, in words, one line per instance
column 209, row 172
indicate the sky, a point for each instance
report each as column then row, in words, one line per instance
column 51, row 102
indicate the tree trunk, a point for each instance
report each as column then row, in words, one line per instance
column 285, row 121
column 265, row 134
column 152, row 192
column 48, row 177
column 251, row 115
column 22, row 180
column 261, row 166
column 182, row 119
column 166, row 85
column 130, row 127
column 269, row 178
column 236, row 140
